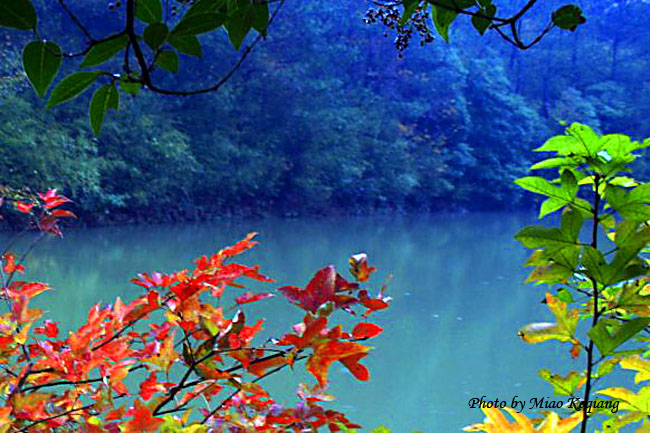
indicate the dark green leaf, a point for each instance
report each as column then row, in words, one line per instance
column 149, row 11
column 446, row 12
column 607, row 341
column 568, row 17
column 442, row 19
column 482, row 23
column 155, row 34
column 533, row 237
column 19, row 14
column 71, row 86
column 168, row 60
column 129, row 87
column 105, row 97
column 103, row 51
column 633, row 298
column 41, row 61
column 239, row 24
column 261, row 19
column 409, row 9
column 197, row 24
column 595, row 264
column 188, row 44
column 205, row 6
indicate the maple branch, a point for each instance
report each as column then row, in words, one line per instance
column 50, row 418
column 6, row 283
column 234, row 393
column 183, row 384
column 128, row 325
column 74, row 383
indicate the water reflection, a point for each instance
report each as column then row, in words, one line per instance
column 451, row 330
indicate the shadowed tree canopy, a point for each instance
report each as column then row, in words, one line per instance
column 149, row 38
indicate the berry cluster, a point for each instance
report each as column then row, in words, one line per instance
column 389, row 16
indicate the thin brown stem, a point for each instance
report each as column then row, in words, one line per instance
column 596, row 313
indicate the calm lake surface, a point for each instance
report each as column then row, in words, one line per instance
column 451, row 331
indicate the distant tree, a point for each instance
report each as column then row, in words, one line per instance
column 153, row 34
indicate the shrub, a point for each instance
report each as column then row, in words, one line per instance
column 174, row 359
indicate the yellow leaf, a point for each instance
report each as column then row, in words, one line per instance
column 630, row 400
column 534, row 333
column 496, row 422
column 21, row 337
column 639, row 364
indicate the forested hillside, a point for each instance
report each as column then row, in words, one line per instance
column 325, row 117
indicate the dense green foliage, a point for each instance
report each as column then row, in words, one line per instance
column 601, row 307
column 325, row 118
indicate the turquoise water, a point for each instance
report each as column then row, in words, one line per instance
column 451, row 331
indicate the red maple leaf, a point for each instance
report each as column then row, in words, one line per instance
column 252, row 297
column 142, row 420
column 240, row 247
column 49, row 329
column 10, row 265
column 326, row 286
column 24, row 207
column 366, row 330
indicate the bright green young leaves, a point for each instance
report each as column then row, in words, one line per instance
column 634, row 205
column 609, row 281
column 558, row 196
column 583, row 158
column 632, row 401
column 606, row 155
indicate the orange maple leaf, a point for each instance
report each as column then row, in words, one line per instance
column 142, row 421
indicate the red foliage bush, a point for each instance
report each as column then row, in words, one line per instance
column 115, row 373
